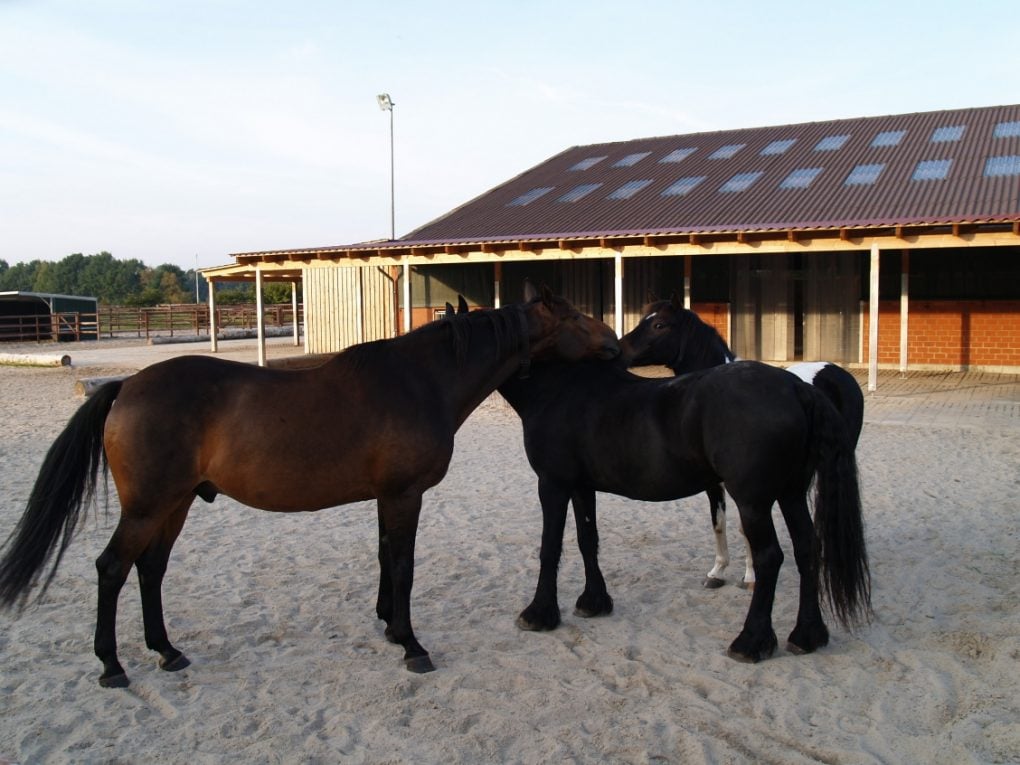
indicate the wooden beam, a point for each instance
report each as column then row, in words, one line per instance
column 741, row 238
column 523, row 246
column 694, row 240
column 956, row 229
column 844, row 234
column 791, row 235
column 898, row 232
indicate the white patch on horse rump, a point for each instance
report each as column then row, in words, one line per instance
column 808, row 370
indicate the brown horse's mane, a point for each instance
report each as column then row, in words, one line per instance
column 458, row 330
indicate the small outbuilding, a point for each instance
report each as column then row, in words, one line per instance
column 38, row 316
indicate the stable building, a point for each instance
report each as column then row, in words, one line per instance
column 894, row 240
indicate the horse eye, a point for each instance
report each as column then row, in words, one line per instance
column 659, row 325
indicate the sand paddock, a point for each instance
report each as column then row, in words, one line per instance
column 289, row 663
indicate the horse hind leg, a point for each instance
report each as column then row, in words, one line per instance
column 130, row 541
column 810, row 632
column 151, row 566
column 757, row 640
column 717, row 504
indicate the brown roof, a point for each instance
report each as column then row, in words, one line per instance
column 958, row 166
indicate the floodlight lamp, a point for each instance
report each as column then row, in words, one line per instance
column 385, row 102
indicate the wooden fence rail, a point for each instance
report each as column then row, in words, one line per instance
column 119, row 321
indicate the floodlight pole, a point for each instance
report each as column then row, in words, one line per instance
column 386, row 104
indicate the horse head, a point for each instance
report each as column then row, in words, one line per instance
column 557, row 329
column 672, row 335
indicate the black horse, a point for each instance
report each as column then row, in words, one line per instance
column 376, row 421
column 675, row 337
column 592, row 426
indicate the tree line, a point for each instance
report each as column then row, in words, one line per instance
column 125, row 282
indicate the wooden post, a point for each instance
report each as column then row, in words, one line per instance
column 688, row 268
column 873, row 321
column 294, row 313
column 407, row 294
column 498, row 274
column 618, row 294
column 260, row 322
column 213, row 340
column 904, row 307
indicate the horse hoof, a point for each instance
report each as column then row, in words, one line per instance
column 713, row 583
column 419, row 664
column 796, row 650
column 749, row 586
column 115, row 681
column 174, row 665
column 590, row 607
column 530, row 626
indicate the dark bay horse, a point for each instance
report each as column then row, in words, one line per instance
column 376, row 421
column 677, row 338
column 592, row 426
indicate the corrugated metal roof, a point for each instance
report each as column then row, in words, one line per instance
column 618, row 188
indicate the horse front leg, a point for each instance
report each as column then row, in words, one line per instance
column 544, row 611
column 810, row 633
column 384, row 600
column 399, row 517
column 595, row 600
column 757, row 640
column 151, row 566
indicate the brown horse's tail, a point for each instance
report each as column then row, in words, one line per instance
column 66, row 483
column 839, row 525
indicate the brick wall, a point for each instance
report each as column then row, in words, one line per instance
column 950, row 333
column 717, row 315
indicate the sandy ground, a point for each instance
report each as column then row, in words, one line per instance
column 290, row 665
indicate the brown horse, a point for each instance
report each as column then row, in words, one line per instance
column 376, row 421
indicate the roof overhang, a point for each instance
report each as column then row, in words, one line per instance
column 283, row 264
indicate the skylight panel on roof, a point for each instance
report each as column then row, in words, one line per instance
column 579, row 192
column 1007, row 130
column 1008, row 164
column 585, row 164
column 832, row 142
column 678, row 155
column 683, row 186
column 631, row 159
column 740, row 182
column 778, row 147
column 629, row 189
column 948, row 134
column 530, row 196
column 888, row 138
column 725, row 152
column 800, row 178
column 864, row 175
column 932, row 170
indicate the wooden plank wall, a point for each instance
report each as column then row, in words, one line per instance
column 345, row 306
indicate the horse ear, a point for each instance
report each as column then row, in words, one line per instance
column 462, row 306
column 547, row 294
column 674, row 300
column 530, row 292
column 651, row 297
column 449, row 310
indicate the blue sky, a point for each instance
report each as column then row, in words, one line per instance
column 180, row 131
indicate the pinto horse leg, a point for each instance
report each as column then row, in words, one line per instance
column 747, row 582
column 810, row 632
column 399, row 517
column 151, row 566
column 595, row 600
column 544, row 611
column 384, row 601
column 757, row 640
column 717, row 505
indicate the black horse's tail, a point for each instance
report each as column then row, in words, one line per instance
column 839, row 526
column 66, row 483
